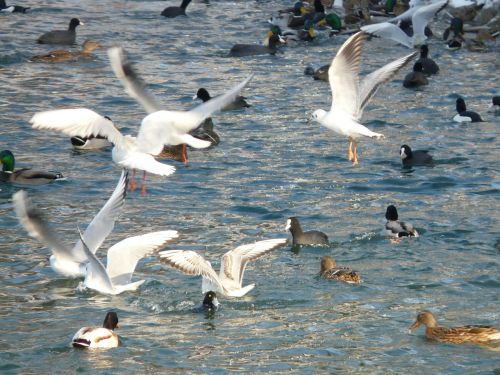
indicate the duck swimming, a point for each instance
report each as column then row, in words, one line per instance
column 98, row 337
column 411, row 158
column 61, row 36
column 330, row 270
column 455, row 335
column 61, row 55
column 12, row 8
column 271, row 43
column 395, row 228
column 24, row 176
column 416, row 78
column 463, row 115
column 299, row 237
column 429, row 66
column 174, row 11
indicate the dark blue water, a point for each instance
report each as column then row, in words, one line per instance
column 269, row 165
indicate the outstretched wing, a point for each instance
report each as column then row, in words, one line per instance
column 191, row 263
column 123, row 256
column 343, row 74
column 234, row 261
column 423, row 15
column 371, row 82
column 103, row 223
column 387, row 30
column 37, row 227
column 134, row 86
column 81, row 122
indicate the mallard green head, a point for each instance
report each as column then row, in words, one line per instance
column 334, row 21
column 298, row 9
column 275, row 30
column 389, row 5
column 7, row 160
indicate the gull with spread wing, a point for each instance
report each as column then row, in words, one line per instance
column 172, row 126
column 229, row 281
column 351, row 96
column 66, row 261
column 420, row 17
column 122, row 259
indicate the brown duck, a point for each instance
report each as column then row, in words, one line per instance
column 455, row 335
column 330, row 270
column 61, row 55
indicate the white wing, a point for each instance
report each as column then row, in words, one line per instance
column 206, row 109
column 123, row 256
column 371, row 82
column 422, row 17
column 191, row 263
column 234, row 261
column 36, row 225
column 77, row 122
column 96, row 276
column 103, row 223
column 343, row 74
column 134, row 86
column 389, row 31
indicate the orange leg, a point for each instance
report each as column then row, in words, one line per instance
column 132, row 181
column 184, row 154
column 143, row 185
column 350, row 155
column 355, row 161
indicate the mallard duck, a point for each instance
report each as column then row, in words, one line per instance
column 416, row 78
column 174, row 11
column 463, row 114
column 24, row 176
column 454, row 335
column 330, row 270
column 61, row 55
column 61, row 36
column 12, row 8
column 98, row 337
column 299, row 237
column 229, row 281
column 237, row 103
column 394, row 227
column 411, row 158
column 271, row 43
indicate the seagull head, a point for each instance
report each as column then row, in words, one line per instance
column 316, row 116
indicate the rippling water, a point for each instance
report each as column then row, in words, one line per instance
column 270, row 165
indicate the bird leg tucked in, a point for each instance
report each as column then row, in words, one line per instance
column 184, row 154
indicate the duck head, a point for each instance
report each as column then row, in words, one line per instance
column 110, row 321
column 7, row 160
column 210, row 301
column 426, row 318
column 202, row 94
column 327, row 263
column 391, row 213
column 460, row 104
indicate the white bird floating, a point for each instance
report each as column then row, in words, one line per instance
column 229, row 281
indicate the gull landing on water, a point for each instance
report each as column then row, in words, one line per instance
column 351, row 96
column 229, row 281
column 173, row 126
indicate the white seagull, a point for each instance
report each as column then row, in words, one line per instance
column 171, row 126
column 233, row 263
column 122, row 259
column 350, row 96
column 67, row 261
column 420, row 17
column 128, row 152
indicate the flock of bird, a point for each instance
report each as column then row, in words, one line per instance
column 165, row 133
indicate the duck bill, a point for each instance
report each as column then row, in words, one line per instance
column 311, row 33
column 414, row 326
